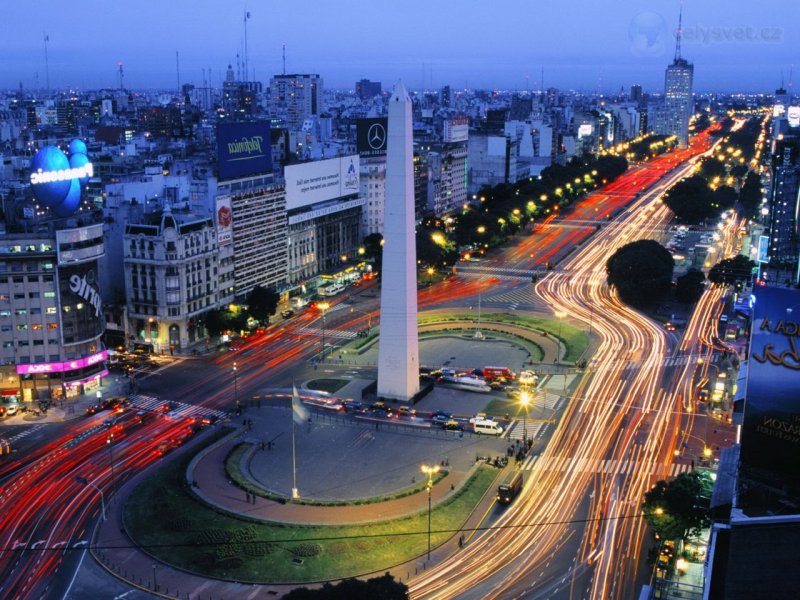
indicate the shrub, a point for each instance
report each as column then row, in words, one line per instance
column 306, row 550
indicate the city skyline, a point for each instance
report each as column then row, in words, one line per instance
column 598, row 49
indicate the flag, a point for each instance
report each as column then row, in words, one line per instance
column 300, row 413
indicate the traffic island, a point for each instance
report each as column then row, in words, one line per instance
column 166, row 519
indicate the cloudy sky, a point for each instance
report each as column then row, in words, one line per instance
column 735, row 45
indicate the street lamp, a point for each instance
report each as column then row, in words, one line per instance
column 323, row 306
column 84, row 481
column 525, row 400
column 430, row 472
column 236, row 385
column 365, row 313
column 430, row 274
column 110, row 443
column 155, row 585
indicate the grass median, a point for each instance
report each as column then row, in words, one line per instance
column 168, row 521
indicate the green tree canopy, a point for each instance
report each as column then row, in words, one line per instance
column 679, row 508
column 750, row 195
column 690, row 286
column 641, row 272
column 732, row 271
column 377, row 588
column 373, row 250
column 262, row 303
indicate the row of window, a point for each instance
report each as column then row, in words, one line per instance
column 32, row 295
column 49, row 310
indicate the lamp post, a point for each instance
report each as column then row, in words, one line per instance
column 155, row 585
column 430, row 272
column 236, row 385
column 366, row 314
column 323, row 306
column 525, row 400
column 707, row 451
column 430, row 472
column 110, row 443
column 84, row 481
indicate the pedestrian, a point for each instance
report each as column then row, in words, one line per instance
column 461, row 541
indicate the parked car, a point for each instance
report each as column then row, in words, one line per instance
column 10, row 405
column 407, row 411
column 354, row 406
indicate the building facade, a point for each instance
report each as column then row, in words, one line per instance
column 295, row 97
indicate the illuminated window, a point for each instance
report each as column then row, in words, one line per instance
column 52, row 325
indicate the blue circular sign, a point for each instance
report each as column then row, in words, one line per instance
column 57, row 180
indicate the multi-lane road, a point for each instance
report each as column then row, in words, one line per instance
column 49, row 498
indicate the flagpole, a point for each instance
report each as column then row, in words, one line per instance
column 295, row 494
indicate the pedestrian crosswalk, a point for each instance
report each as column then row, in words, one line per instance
column 565, row 464
column 178, row 410
column 329, row 333
column 495, row 271
column 25, row 433
column 531, row 428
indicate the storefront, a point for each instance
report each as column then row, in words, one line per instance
column 57, row 380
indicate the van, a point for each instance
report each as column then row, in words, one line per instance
column 486, row 427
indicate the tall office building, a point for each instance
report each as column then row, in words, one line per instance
column 366, row 89
column 784, row 206
column 295, row 97
column 678, row 101
column 398, row 356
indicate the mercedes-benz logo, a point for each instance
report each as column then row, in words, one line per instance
column 376, row 136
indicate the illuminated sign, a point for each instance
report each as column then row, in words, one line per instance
column 243, row 149
column 763, row 249
column 793, row 116
column 321, row 180
column 224, row 221
column 60, row 367
column 770, row 447
column 371, row 136
column 57, row 180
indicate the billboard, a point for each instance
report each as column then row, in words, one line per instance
column 243, row 149
column 57, row 179
column 456, row 130
column 793, row 116
column 314, row 182
column 81, row 305
column 763, row 249
column 771, row 431
column 371, row 136
column 60, row 367
column 224, row 221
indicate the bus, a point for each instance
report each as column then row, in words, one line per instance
column 506, row 492
column 330, row 290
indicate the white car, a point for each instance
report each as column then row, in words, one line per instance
column 11, row 406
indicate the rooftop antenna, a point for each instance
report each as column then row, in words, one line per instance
column 284, row 59
column 679, row 34
column 542, row 82
column 46, row 63
column 178, row 68
column 246, row 18
column 121, row 76
column 238, row 69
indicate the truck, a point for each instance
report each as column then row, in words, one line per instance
column 492, row 373
column 506, row 492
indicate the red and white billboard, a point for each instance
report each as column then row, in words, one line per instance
column 224, row 221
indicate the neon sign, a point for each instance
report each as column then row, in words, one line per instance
column 60, row 367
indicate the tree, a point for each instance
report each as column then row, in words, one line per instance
column 641, row 272
column 679, row 508
column 690, row 286
column 373, row 250
column 732, row 271
column 262, row 303
column 377, row 588
column 434, row 248
column 750, row 195
column 215, row 322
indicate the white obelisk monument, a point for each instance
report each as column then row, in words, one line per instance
column 398, row 354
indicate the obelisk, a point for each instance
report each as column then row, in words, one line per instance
column 398, row 353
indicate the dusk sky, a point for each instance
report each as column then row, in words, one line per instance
column 593, row 46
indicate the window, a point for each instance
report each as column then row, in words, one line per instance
column 38, row 343
column 20, row 312
column 36, row 311
column 33, row 295
column 52, row 325
column 50, row 310
column 22, row 328
column 5, row 313
column 36, row 326
column 49, row 294
column 19, row 296
column 8, row 344
column 19, row 279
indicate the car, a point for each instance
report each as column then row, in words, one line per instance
column 381, row 407
column 287, row 313
column 94, row 409
column 670, row 326
column 441, row 419
column 407, row 411
column 354, row 406
column 10, row 405
column 452, row 425
column 441, row 413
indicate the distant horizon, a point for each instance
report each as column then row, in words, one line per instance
column 745, row 48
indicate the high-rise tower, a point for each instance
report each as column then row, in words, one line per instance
column 398, row 356
column 678, row 101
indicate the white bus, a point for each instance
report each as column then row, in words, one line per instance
column 487, row 427
column 331, row 290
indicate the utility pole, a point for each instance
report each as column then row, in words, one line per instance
column 178, row 68
column 46, row 62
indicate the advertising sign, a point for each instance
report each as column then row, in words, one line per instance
column 322, row 180
column 793, row 116
column 371, row 136
column 59, row 367
column 57, row 179
column 243, row 149
column 456, row 130
column 763, row 249
column 771, row 431
column 81, row 305
column 224, row 221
